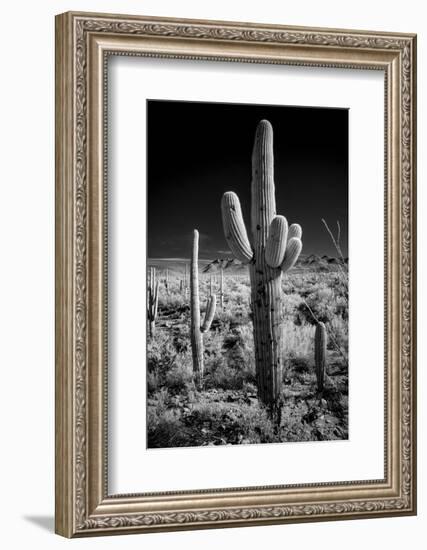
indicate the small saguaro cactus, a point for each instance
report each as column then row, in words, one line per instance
column 320, row 343
column 221, row 287
column 185, row 285
column 274, row 250
column 167, row 281
column 197, row 329
column 152, row 300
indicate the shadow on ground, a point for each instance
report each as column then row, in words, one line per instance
column 44, row 522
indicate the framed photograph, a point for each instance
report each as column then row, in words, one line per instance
column 235, row 274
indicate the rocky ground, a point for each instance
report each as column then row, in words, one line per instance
column 227, row 411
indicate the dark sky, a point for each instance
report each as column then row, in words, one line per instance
column 197, row 151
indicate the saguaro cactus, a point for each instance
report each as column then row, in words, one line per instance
column 167, row 281
column 152, row 300
column 274, row 250
column 320, row 343
column 185, row 285
column 198, row 329
column 221, row 287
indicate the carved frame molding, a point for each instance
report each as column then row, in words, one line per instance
column 83, row 42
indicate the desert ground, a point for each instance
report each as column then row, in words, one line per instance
column 226, row 410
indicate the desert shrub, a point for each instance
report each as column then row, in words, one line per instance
column 249, row 388
column 214, row 360
column 257, row 426
column 301, row 365
column 168, row 430
column 339, row 330
column 213, row 342
column 173, row 300
column 231, row 317
column 222, row 375
column 164, row 422
column 158, row 403
column 341, row 306
column 241, row 356
column 291, row 303
column 297, row 283
column 219, row 375
column 322, row 303
column 161, row 351
column 229, row 360
column 169, row 362
column 297, row 341
column 179, row 378
column 220, row 423
column 153, row 382
column 239, row 290
column 161, row 355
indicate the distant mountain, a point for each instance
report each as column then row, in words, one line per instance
column 312, row 259
column 225, row 263
column 311, row 262
column 321, row 263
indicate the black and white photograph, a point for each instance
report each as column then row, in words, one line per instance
column 213, row 259
column 247, row 274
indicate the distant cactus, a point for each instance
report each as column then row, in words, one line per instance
column 320, row 342
column 196, row 327
column 221, row 288
column 275, row 249
column 152, row 300
column 167, row 281
column 185, row 285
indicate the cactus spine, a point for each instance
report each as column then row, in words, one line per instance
column 275, row 249
column 198, row 329
column 320, row 343
column 152, row 300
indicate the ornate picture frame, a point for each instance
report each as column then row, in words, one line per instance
column 84, row 42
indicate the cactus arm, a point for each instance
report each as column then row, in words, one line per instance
column 209, row 314
column 292, row 253
column 234, row 227
column 276, row 241
column 295, row 230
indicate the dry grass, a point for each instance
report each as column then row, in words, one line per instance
column 227, row 411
